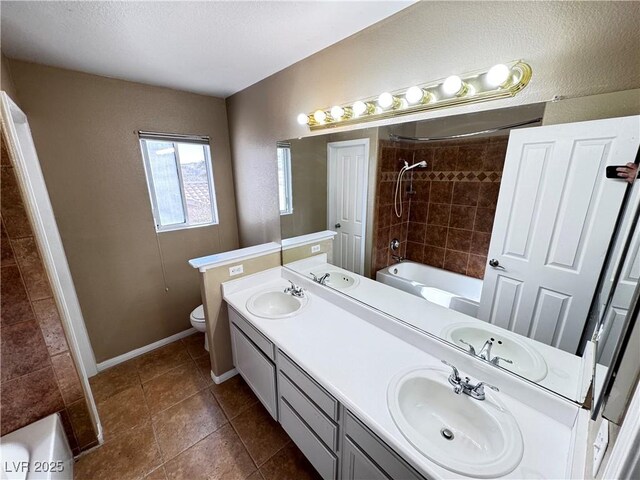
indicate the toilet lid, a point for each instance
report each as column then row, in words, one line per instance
column 198, row 314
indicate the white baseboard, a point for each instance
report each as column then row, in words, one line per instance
column 112, row 362
column 224, row 377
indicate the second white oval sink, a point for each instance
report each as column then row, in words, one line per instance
column 275, row 303
column 477, row 438
column 527, row 361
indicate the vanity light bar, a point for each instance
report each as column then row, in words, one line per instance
column 500, row 81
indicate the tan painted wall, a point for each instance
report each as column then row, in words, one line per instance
column 309, row 179
column 304, row 251
column 593, row 107
column 216, row 314
column 6, row 81
column 572, row 47
column 83, row 126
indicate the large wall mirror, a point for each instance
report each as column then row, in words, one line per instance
column 495, row 231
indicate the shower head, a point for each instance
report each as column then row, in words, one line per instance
column 421, row 164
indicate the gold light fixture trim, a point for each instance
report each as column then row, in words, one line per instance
column 475, row 87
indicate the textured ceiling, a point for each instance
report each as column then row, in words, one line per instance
column 214, row 48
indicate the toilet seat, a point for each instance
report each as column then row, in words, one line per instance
column 198, row 314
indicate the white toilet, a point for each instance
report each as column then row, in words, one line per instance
column 197, row 321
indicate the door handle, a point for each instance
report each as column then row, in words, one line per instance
column 495, row 264
column 337, row 225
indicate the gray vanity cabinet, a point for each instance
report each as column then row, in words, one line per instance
column 309, row 415
column 334, row 441
column 251, row 358
column 365, row 456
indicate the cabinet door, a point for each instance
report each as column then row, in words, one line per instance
column 357, row 466
column 256, row 369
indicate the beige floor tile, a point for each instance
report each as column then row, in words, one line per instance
column 114, row 380
column 260, row 433
column 234, row 396
column 221, row 455
column 173, row 386
column 289, row 464
column 195, row 345
column 161, row 360
column 123, row 411
column 130, row 456
column 188, row 422
column 255, row 476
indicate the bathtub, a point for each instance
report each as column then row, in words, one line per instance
column 38, row 451
column 442, row 287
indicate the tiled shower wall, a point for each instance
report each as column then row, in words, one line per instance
column 39, row 376
column 447, row 221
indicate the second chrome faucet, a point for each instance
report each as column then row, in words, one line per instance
column 464, row 385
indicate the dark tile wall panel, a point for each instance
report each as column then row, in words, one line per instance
column 448, row 218
column 38, row 374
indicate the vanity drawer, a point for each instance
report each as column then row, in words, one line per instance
column 324, row 428
column 262, row 342
column 374, row 448
column 309, row 386
column 256, row 369
column 323, row 460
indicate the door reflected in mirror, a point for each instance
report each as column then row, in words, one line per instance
column 487, row 230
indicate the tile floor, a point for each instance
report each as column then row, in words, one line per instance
column 163, row 418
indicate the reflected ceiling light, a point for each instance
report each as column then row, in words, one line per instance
column 498, row 75
column 454, row 85
column 319, row 116
column 499, row 81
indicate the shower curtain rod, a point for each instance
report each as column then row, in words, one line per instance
column 393, row 136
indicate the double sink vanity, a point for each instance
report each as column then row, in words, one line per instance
column 366, row 396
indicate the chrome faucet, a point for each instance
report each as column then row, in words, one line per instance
column 464, row 385
column 485, row 352
column 321, row 280
column 398, row 258
column 294, row 290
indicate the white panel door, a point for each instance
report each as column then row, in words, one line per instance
column 347, row 198
column 554, row 220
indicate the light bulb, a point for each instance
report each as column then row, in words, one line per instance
column 385, row 100
column 359, row 108
column 337, row 112
column 498, row 74
column 414, row 95
column 303, row 119
column 319, row 116
column 452, row 85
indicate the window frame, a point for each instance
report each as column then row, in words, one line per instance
column 174, row 139
column 288, row 181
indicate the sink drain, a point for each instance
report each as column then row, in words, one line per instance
column 447, row 434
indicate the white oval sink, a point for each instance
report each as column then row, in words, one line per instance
column 338, row 280
column 527, row 361
column 477, row 438
column 275, row 303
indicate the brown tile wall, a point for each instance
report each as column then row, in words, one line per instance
column 38, row 374
column 447, row 222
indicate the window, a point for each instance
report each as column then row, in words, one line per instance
column 285, row 194
column 180, row 180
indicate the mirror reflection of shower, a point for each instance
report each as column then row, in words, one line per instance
column 397, row 199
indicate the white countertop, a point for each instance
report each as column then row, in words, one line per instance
column 355, row 361
column 565, row 371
